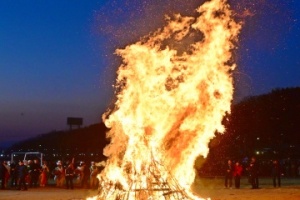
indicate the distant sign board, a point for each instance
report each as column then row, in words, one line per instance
column 74, row 121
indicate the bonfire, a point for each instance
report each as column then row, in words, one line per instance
column 173, row 89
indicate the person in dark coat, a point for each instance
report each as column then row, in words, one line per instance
column 69, row 173
column 3, row 172
column 228, row 174
column 13, row 175
column 253, row 173
column 276, row 172
column 22, row 173
column 35, row 173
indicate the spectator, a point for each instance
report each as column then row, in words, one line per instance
column 93, row 175
column 22, row 173
column 85, row 173
column 237, row 173
column 13, row 175
column 276, row 173
column 7, row 173
column 253, row 173
column 69, row 176
column 59, row 174
column 79, row 172
column 228, row 174
column 3, row 172
column 35, row 173
column 28, row 178
column 44, row 174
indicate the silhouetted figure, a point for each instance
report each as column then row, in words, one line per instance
column 22, row 173
column 276, row 173
column 69, row 176
column 3, row 172
column 13, row 175
column 253, row 173
column 28, row 178
column 35, row 173
column 228, row 174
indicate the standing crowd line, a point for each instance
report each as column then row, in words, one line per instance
column 31, row 174
column 233, row 172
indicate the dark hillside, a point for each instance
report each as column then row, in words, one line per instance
column 266, row 126
column 84, row 143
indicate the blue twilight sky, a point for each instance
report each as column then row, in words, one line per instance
column 56, row 56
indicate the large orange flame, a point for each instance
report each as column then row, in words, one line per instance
column 174, row 88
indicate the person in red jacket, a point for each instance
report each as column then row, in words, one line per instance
column 237, row 173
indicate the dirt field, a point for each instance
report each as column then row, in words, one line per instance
column 214, row 189
column 206, row 188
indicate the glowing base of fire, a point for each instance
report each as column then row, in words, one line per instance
column 165, row 192
column 152, row 186
column 156, row 191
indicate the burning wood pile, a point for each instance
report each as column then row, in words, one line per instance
column 151, row 185
column 174, row 88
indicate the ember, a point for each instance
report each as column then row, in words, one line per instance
column 174, row 88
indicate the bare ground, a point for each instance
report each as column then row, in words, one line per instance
column 214, row 189
column 206, row 188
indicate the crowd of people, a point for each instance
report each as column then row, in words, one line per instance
column 30, row 173
column 233, row 172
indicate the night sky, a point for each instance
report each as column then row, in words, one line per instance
column 57, row 57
